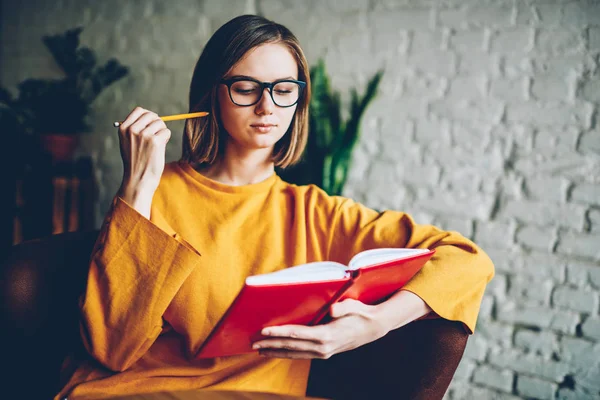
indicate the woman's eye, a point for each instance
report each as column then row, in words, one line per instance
column 244, row 91
column 283, row 91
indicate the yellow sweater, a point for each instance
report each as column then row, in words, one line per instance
column 157, row 288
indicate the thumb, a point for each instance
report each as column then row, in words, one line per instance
column 346, row 307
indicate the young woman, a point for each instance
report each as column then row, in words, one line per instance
column 180, row 239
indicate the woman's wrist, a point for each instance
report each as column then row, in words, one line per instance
column 400, row 309
column 138, row 198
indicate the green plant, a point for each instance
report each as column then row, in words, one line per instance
column 60, row 105
column 331, row 139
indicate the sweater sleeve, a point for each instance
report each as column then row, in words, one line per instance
column 136, row 269
column 452, row 282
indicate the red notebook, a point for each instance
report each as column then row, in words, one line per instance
column 304, row 294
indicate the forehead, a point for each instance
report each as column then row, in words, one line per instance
column 267, row 62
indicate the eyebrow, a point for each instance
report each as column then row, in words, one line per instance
column 253, row 78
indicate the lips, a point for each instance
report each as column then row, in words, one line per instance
column 263, row 125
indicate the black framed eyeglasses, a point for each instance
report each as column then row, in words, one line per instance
column 246, row 92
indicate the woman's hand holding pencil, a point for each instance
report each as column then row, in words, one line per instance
column 143, row 138
column 175, row 117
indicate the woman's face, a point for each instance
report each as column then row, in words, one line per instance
column 261, row 125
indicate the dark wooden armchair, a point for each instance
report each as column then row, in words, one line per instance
column 41, row 280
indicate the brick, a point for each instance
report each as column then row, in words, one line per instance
column 529, row 364
column 548, row 87
column 427, row 40
column 510, row 89
column 539, row 343
column 224, row 11
column 476, row 348
column 468, row 42
column 526, row 14
column 572, row 165
column 544, row 214
column 459, row 204
column 516, row 41
column 490, row 15
column 548, row 266
column 580, row 353
column 348, row 6
column 590, row 90
column 406, row 18
column 496, row 333
column 560, row 65
column 531, row 290
column 580, row 245
column 464, row 370
column 532, row 237
column 514, row 140
column 594, row 39
column 575, row 299
column 549, row 14
column 554, row 41
column 583, row 274
column 586, row 193
column 497, row 286
column 485, row 309
column 461, row 225
column 487, row 110
column 538, row 316
column 591, row 328
column 536, row 388
column 576, row 394
column 546, row 188
column 551, row 113
column 476, row 63
column 434, row 62
column 471, row 391
column 594, row 218
column 581, row 13
column 494, row 378
column 431, row 87
column 467, row 87
column 552, row 142
column 590, row 143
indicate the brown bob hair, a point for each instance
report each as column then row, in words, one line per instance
column 203, row 138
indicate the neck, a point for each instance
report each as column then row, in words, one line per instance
column 238, row 168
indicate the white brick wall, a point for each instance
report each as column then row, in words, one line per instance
column 486, row 123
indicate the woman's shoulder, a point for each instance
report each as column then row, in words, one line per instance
column 313, row 194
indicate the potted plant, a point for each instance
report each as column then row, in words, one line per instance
column 331, row 139
column 56, row 110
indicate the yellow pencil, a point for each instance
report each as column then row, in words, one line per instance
column 175, row 117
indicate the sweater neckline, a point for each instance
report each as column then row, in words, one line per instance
column 222, row 187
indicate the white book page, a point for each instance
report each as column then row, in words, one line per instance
column 311, row 272
column 376, row 256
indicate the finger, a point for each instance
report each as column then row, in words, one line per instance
column 164, row 135
column 295, row 355
column 346, row 307
column 131, row 118
column 142, row 122
column 153, row 128
column 314, row 333
column 288, row 344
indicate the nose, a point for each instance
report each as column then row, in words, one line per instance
column 265, row 105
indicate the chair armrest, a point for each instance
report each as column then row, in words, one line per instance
column 416, row 361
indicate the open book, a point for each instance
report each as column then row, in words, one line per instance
column 304, row 294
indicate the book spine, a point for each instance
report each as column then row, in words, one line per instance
column 325, row 310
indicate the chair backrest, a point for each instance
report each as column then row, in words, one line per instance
column 40, row 283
